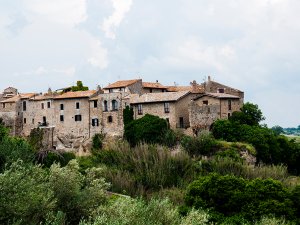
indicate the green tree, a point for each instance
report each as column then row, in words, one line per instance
column 79, row 87
column 127, row 115
column 250, row 114
column 149, row 129
column 25, row 194
column 277, row 130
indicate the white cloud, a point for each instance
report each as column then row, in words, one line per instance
column 99, row 56
column 68, row 12
column 121, row 7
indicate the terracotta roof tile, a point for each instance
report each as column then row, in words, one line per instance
column 197, row 89
column 218, row 95
column 19, row 97
column 76, row 94
column 153, row 85
column 122, row 83
column 158, row 97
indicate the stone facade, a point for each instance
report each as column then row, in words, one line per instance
column 208, row 107
column 71, row 119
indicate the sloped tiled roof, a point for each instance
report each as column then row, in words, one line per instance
column 122, row 83
column 19, row 97
column 43, row 97
column 153, row 85
column 218, row 95
column 197, row 89
column 158, row 97
column 76, row 94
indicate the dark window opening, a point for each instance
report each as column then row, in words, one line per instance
column 61, row 118
column 61, row 106
column 95, row 122
column 229, row 104
column 150, row 90
column 48, row 105
column 44, row 119
column 114, row 104
column 24, row 120
column 110, row 90
column 3, row 105
column 221, row 90
column 229, row 115
column 42, row 105
column 95, row 103
column 205, row 102
column 77, row 105
column 167, row 107
column 78, row 118
column 168, row 122
column 32, row 121
column 109, row 119
column 105, row 108
column 140, row 109
column 24, row 106
column 181, row 123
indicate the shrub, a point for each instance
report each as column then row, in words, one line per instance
column 25, row 194
column 97, row 141
column 149, row 129
column 201, row 145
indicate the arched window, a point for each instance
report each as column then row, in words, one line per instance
column 105, row 106
column 114, row 104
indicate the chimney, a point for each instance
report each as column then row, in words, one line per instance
column 208, row 79
column 194, row 86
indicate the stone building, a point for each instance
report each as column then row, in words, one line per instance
column 171, row 106
column 208, row 107
column 72, row 118
column 12, row 110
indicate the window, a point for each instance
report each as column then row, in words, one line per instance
column 95, row 122
column 44, row 120
column 24, row 120
column 168, row 122
column 205, row 102
column 150, row 90
column 181, row 123
column 61, row 106
column 109, row 119
column 105, row 108
column 24, row 106
column 3, row 105
column 61, row 118
column 42, row 105
column 32, row 121
column 77, row 105
column 220, row 90
column 229, row 115
column 167, row 107
column 140, row 109
column 95, row 103
column 78, row 118
column 48, row 104
column 110, row 90
column 229, row 104
column 114, row 104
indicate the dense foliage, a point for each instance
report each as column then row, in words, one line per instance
column 149, row 129
column 271, row 148
column 79, row 87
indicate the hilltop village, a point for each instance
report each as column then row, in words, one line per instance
column 71, row 118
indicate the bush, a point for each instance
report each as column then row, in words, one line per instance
column 201, row 145
column 97, row 141
column 149, row 129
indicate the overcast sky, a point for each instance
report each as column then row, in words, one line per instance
column 251, row 45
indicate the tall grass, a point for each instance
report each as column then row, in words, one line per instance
column 145, row 167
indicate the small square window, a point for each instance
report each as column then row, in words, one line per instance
column 77, row 105
column 48, row 105
column 61, row 106
column 110, row 119
column 78, row 118
column 205, row 102
column 95, row 103
column 24, row 120
column 61, row 118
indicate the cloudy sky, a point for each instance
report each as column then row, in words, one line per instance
column 251, row 45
